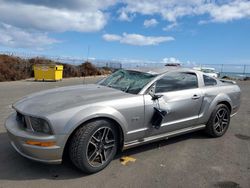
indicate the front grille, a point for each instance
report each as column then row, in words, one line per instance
column 21, row 119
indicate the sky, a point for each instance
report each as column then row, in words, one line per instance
column 169, row 31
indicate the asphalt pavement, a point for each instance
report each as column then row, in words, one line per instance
column 191, row 160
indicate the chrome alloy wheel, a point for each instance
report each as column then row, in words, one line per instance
column 221, row 120
column 100, row 146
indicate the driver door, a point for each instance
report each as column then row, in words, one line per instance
column 181, row 99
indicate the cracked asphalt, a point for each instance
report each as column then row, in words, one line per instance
column 191, row 160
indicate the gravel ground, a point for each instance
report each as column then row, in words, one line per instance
column 191, row 160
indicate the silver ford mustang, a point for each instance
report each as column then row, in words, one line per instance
column 92, row 122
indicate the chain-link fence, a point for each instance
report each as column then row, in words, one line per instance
column 230, row 70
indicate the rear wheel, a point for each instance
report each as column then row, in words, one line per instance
column 219, row 121
column 93, row 146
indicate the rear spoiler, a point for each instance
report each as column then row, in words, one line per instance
column 227, row 81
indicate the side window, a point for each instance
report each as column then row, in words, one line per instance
column 176, row 81
column 209, row 81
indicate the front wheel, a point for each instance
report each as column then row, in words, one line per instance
column 93, row 146
column 219, row 121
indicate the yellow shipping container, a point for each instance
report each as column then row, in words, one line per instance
column 44, row 72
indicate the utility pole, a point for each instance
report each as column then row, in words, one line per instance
column 88, row 53
column 87, row 61
column 221, row 68
column 244, row 70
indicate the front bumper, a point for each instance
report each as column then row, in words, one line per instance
column 19, row 137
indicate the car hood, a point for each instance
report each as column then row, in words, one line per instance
column 59, row 99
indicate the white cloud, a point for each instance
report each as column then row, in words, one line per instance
column 124, row 16
column 37, row 18
column 41, row 17
column 150, row 23
column 137, row 39
column 171, row 10
column 14, row 37
column 170, row 26
column 91, row 16
column 26, row 23
column 69, row 4
column 111, row 37
column 228, row 12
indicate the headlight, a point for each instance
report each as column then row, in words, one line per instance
column 40, row 125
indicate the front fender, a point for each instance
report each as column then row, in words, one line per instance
column 92, row 112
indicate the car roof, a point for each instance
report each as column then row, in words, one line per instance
column 204, row 68
column 162, row 70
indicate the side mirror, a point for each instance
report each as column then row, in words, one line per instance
column 155, row 97
column 151, row 92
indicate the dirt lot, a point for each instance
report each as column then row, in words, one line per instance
column 192, row 160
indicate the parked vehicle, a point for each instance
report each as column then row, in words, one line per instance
column 208, row 71
column 173, row 65
column 128, row 108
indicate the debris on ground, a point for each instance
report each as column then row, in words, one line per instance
column 124, row 160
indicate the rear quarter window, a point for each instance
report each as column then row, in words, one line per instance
column 209, row 81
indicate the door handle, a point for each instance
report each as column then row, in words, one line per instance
column 196, row 97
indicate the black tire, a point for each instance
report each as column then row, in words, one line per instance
column 219, row 121
column 93, row 146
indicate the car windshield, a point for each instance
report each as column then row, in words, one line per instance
column 127, row 80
